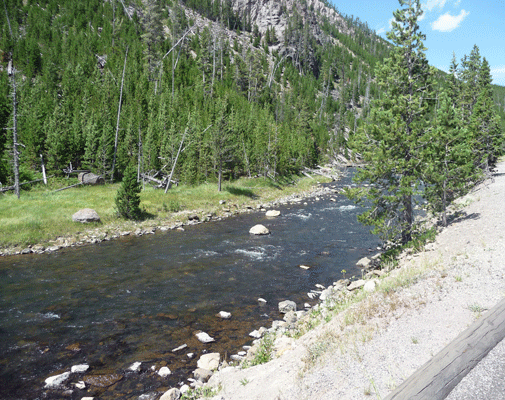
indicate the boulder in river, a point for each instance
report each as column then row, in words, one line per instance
column 56, row 380
column 79, row 368
column 209, row 361
column 164, row 371
column 86, row 215
column 204, row 337
column 259, row 230
column 273, row 213
column 287, row 306
column 224, row 315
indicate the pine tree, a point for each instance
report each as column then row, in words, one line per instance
column 389, row 144
column 127, row 197
column 449, row 168
column 484, row 123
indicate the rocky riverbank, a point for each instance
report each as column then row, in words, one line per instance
column 363, row 344
column 96, row 232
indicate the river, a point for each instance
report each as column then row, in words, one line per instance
column 135, row 299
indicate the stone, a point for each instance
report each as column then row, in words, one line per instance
column 286, row 306
column 273, row 213
column 181, row 347
column 148, row 396
column 363, row 262
column 222, row 202
column 209, row 361
column 164, row 371
column 255, row 334
column 86, row 215
column 259, row 230
column 290, row 317
column 184, row 388
column 190, row 355
column 326, row 294
column 193, row 217
column 202, row 375
column 224, row 315
column 56, row 380
column 204, row 337
column 135, row 366
column 172, row 394
column 79, row 368
column 304, row 267
column 369, row 286
column 80, row 385
column 262, row 302
column 356, row 284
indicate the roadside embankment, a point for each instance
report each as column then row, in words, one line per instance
column 367, row 348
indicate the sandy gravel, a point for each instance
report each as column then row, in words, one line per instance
column 382, row 340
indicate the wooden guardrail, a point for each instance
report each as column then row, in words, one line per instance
column 435, row 379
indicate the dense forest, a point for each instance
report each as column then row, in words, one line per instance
column 104, row 84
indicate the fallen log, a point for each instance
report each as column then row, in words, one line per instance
column 68, row 187
column 435, row 379
column 7, row 188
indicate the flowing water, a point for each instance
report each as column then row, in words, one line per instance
column 137, row 298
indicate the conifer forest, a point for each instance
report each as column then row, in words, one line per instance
column 207, row 90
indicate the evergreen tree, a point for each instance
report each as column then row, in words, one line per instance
column 127, row 197
column 448, row 155
column 389, row 144
column 484, row 123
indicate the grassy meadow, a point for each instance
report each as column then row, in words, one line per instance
column 42, row 215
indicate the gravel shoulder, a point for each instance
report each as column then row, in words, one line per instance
column 416, row 310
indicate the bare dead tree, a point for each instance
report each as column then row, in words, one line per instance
column 118, row 114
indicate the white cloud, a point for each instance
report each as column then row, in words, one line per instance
column 431, row 4
column 448, row 22
column 498, row 70
column 381, row 31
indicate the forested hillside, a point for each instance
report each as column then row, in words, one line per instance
column 241, row 88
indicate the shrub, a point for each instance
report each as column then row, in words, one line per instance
column 127, row 197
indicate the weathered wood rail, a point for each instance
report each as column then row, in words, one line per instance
column 435, row 379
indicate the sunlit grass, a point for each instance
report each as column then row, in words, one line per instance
column 42, row 215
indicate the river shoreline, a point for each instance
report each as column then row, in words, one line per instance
column 178, row 221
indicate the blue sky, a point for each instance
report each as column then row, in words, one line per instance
column 450, row 26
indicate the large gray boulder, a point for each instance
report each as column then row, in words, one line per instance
column 259, row 230
column 209, row 361
column 86, row 215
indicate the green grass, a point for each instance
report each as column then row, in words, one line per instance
column 42, row 215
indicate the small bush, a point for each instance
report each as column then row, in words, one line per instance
column 128, row 198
